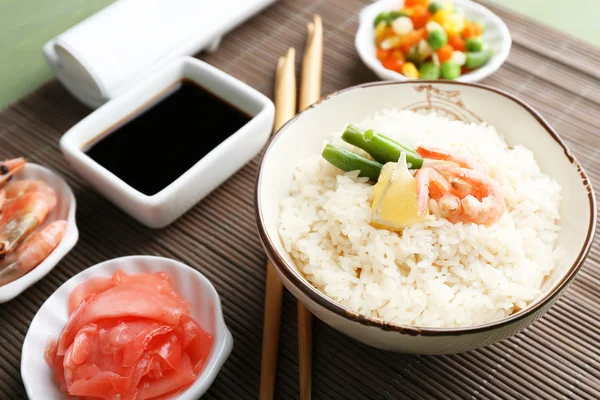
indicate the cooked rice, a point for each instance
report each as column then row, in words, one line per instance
column 434, row 274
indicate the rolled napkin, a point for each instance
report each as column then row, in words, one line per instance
column 108, row 53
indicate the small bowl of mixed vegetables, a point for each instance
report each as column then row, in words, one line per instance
column 431, row 39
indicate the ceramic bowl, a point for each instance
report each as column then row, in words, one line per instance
column 52, row 318
column 304, row 136
column 496, row 35
column 65, row 209
column 214, row 168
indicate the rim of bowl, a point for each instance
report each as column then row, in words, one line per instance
column 331, row 305
column 498, row 59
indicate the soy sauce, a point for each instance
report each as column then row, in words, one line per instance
column 154, row 146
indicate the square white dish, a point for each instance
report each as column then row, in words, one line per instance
column 214, row 168
column 53, row 315
column 65, row 209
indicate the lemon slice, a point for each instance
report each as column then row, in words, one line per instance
column 395, row 198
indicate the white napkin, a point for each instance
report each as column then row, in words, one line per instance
column 105, row 55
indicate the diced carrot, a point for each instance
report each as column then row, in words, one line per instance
column 457, row 43
column 412, row 38
column 444, row 53
column 398, row 54
column 419, row 15
column 382, row 54
column 472, row 30
column 393, row 63
column 410, row 3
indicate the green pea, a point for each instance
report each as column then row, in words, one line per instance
column 435, row 7
column 450, row 70
column 388, row 17
column 474, row 44
column 479, row 58
column 437, row 39
column 429, row 71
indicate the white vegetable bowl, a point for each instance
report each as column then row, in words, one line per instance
column 496, row 35
column 53, row 315
column 65, row 209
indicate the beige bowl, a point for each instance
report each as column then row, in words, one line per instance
column 304, row 135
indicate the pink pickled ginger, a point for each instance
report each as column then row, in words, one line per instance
column 129, row 337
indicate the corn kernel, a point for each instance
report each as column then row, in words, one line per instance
column 410, row 70
column 453, row 24
column 380, row 29
column 440, row 16
column 406, row 10
column 391, row 42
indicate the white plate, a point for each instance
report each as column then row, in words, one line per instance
column 52, row 318
column 496, row 35
column 65, row 209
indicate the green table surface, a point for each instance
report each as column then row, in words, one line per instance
column 26, row 25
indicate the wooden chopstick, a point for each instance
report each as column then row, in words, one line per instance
column 285, row 109
column 310, row 92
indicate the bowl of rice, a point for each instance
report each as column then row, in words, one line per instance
column 439, row 285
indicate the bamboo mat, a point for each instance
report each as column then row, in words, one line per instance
column 558, row 357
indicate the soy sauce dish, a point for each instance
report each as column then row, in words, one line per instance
column 166, row 144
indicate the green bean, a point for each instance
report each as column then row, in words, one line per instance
column 388, row 17
column 349, row 161
column 429, row 71
column 479, row 58
column 474, row 44
column 380, row 147
column 437, row 39
column 450, row 70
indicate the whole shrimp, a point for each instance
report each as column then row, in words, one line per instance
column 32, row 252
column 26, row 205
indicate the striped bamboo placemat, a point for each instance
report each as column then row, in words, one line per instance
column 558, row 357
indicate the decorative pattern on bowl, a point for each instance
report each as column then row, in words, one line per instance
column 445, row 103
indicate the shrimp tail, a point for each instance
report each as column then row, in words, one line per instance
column 32, row 252
column 9, row 168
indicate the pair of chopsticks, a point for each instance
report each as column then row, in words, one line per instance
column 285, row 109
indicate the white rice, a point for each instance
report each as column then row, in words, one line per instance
column 434, row 274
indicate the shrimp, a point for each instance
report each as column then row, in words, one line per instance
column 22, row 216
column 16, row 189
column 9, row 168
column 469, row 194
column 487, row 205
column 480, row 197
column 432, row 183
column 32, row 252
column 435, row 153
